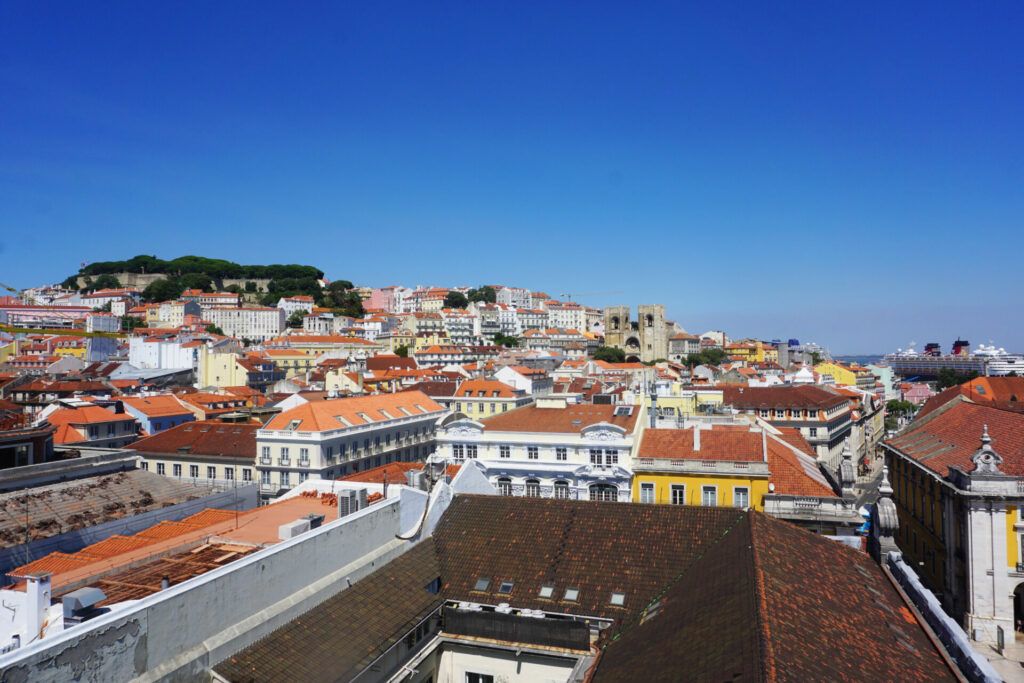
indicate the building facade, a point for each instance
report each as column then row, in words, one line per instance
column 549, row 450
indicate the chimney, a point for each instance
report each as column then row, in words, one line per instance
column 37, row 602
column 696, row 438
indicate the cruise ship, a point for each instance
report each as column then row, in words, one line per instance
column 986, row 360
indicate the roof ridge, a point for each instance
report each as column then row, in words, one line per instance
column 764, row 629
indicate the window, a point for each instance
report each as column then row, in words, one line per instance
column 647, row 493
column 611, row 457
column 176, row 470
column 741, row 497
column 678, row 494
column 561, row 489
column 471, row 451
column 532, row 488
column 595, row 456
column 482, row 584
column 709, row 496
column 532, row 453
column 561, row 454
column 246, row 474
column 505, row 486
column 604, row 492
column 478, row 678
column 617, row 599
column 458, row 452
column 211, row 472
column 546, row 592
column 505, row 587
column 504, row 451
column 161, row 468
column 572, row 594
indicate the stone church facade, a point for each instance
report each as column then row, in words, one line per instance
column 644, row 339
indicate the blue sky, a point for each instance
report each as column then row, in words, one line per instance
column 852, row 174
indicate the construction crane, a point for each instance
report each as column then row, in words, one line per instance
column 570, row 295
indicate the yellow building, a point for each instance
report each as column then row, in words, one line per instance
column 480, row 398
column 957, row 476
column 742, row 465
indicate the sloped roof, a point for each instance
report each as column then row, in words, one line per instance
column 568, row 420
column 949, row 435
column 731, row 443
column 324, row 415
column 207, row 437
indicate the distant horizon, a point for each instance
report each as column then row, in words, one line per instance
column 846, row 175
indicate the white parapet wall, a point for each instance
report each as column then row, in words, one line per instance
column 179, row 633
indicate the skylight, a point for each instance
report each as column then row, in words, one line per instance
column 572, row 594
column 482, row 584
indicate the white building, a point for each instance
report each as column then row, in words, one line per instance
column 149, row 353
column 172, row 313
column 257, row 323
column 293, row 304
column 334, row 437
column 550, row 449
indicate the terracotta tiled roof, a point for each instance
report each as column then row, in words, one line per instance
column 324, row 415
column 393, row 473
column 485, row 388
column 801, row 396
column 568, row 420
column 949, row 435
column 209, row 438
column 735, row 444
column 156, row 406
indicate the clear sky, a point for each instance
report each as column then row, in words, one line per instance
column 847, row 173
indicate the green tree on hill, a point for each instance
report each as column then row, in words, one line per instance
column 455, row 300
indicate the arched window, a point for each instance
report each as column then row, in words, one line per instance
column 605, row 492
column 532, row 488
column 561, row 489
column 504, row 486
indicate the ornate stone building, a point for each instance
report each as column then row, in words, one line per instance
column 644, row 339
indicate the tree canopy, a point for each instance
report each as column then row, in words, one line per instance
column 484, row 294
column 455, row 300
column 215, row 268
column 610, row 354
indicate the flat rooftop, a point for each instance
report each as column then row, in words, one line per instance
column 80, row 503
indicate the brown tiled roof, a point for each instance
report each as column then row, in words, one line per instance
column 568, row 420
column 595, row 547
column 770, row 601
column 735, row 444
column 351, row 629
column 209, row 438
column 950, row 435
column 800, row 396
